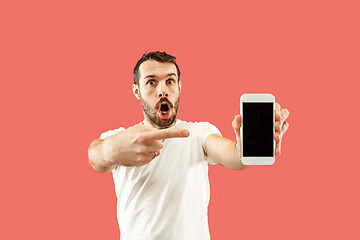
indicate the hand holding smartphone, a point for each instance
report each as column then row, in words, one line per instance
column 257, row 131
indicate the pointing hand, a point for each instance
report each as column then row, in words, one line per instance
column 138, row 145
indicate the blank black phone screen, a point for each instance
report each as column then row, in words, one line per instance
column 258, row 129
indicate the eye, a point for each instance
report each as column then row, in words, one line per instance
column 151, row 82
column 170, row 81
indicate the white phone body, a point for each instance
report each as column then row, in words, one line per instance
column 258, row 128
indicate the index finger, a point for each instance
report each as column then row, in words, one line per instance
column 277, row 106
column 277, row 111
column 168, row 133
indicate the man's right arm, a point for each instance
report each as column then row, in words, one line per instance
column 135, row 146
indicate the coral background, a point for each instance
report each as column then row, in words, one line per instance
column 66, row 75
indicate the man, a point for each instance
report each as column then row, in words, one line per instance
column 160, row 166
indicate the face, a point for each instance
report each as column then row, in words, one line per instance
column 159, row 91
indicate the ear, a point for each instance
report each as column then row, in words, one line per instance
column 136, row 91
column 180, row 84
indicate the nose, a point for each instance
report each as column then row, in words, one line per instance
column 162, row 91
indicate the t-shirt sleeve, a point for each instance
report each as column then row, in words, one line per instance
column 207, row 129
column 111, row 132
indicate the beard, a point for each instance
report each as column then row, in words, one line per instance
column 152, row 113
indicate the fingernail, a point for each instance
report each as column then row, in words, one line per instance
column 186, row 133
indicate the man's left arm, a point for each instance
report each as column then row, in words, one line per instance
column 225, row 152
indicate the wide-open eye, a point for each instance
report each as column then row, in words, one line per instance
column 151, row 82
column 170, row 81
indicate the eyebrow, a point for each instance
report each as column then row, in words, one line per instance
column 154, row 76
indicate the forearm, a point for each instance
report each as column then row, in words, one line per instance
column 223, row 152
column 96, row 157
column 231, row 157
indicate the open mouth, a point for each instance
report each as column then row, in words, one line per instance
column 164, row 108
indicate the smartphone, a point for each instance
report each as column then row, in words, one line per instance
column 257, row 130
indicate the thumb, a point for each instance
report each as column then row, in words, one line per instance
column 236, row 125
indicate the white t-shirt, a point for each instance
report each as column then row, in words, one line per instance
column 167, row 199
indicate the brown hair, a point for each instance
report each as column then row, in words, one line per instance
column 157, row 56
